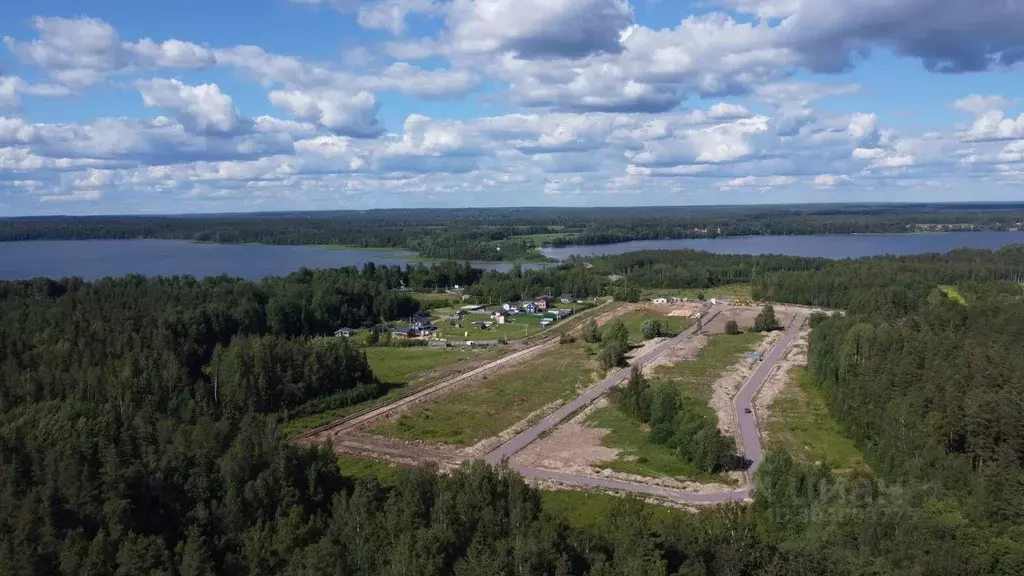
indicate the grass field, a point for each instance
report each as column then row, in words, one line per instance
column 589, row 510
column 493, row 405
column 401, row 368
column 695, row 377
column 638, row 456
column 731, row 291
column 670, row 325
column 356, row 467
column 801, row 424
column 521, row 327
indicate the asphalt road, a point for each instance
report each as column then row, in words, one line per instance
column 752, row 448
column 525, row 438
column 744, row 399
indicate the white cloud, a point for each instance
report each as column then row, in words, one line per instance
column 381, row 14
column 829, row 180
column 346, row 113
column 13, row 88
column 978, row 104
column 539, row 28
column 202, row 109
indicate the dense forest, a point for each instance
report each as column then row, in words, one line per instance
column 138, row 430
column 515, row 234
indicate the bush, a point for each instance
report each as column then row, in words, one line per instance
column 566, row 338
column 591, row 333
column 731, row 327
column 651, row 329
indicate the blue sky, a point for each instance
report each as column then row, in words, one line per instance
column 121, row 106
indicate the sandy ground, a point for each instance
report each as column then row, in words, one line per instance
column 572, row 445
column 745, row 316
column 685, row 351
column 778, row 379
column 686, row 309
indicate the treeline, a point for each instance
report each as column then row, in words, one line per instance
column 514, row 233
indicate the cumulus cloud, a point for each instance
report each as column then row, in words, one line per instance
column 202, row 109
column 381, row 14
column 539, row 28
column 947, row 36
column 13, row 88
column 345, row 113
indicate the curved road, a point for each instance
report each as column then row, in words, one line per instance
column 743, row 400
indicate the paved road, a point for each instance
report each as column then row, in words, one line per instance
column 747, row 424
column 745, row 397
column 528, row 436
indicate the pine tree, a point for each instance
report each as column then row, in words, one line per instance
column 766, row 320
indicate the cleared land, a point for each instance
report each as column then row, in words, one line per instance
column 403, row 370
column 670, row 325
column 495, row 404
column 800, row 423
column 696, row 378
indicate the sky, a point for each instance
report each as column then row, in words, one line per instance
column 188, row 106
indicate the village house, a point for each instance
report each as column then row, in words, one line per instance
column 405, row 332
column 345, row 332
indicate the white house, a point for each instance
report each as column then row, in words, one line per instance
column 660, row 300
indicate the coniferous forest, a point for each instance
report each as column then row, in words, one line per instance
column 139, row 430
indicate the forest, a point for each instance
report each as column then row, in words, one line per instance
column 139, row 430
column 516, row 234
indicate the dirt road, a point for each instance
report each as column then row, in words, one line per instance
column 555, row 418
column 366, row 417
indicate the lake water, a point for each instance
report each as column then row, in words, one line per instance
column 91, row 259
column 835, row 247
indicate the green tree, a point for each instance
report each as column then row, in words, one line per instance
column 591, row 333
column 651, row 329
column 731, row 327
column 766, row 320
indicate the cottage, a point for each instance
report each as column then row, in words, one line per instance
column 345, row 332
column 567, row 298
column 531, row 308
column 405, row 332
column 542, row 302
column 501, row 317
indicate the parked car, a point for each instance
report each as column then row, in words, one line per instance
column 747, row 411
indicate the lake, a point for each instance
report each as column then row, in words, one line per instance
column 835, row 247
column 92, row 259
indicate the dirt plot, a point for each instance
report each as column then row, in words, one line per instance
column 686, row 350
column 745, row 315
column 573, row 445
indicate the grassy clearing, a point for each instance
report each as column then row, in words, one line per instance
column 520, row 327
column 801, row 424
column 404, row 370
column 356, row 467
column 953, row 294
column 670, row 325
column 695, row 377
column 731, row 291
column 489, row 407
column 589, row 509
column 637, row 455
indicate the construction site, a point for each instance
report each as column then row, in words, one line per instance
column 543, row 408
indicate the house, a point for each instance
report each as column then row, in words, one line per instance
column 346, row 332
column 542, row 302
column 531, row 308
column 659, row 300
column 508, row 306
column 500, row 317
column 405, row 332
column 438, row 343
column 567, row 298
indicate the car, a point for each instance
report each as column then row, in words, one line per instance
column 747, row 411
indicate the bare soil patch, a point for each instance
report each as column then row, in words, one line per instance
column 571, row 446
column 745, row 316
column 685, row 351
